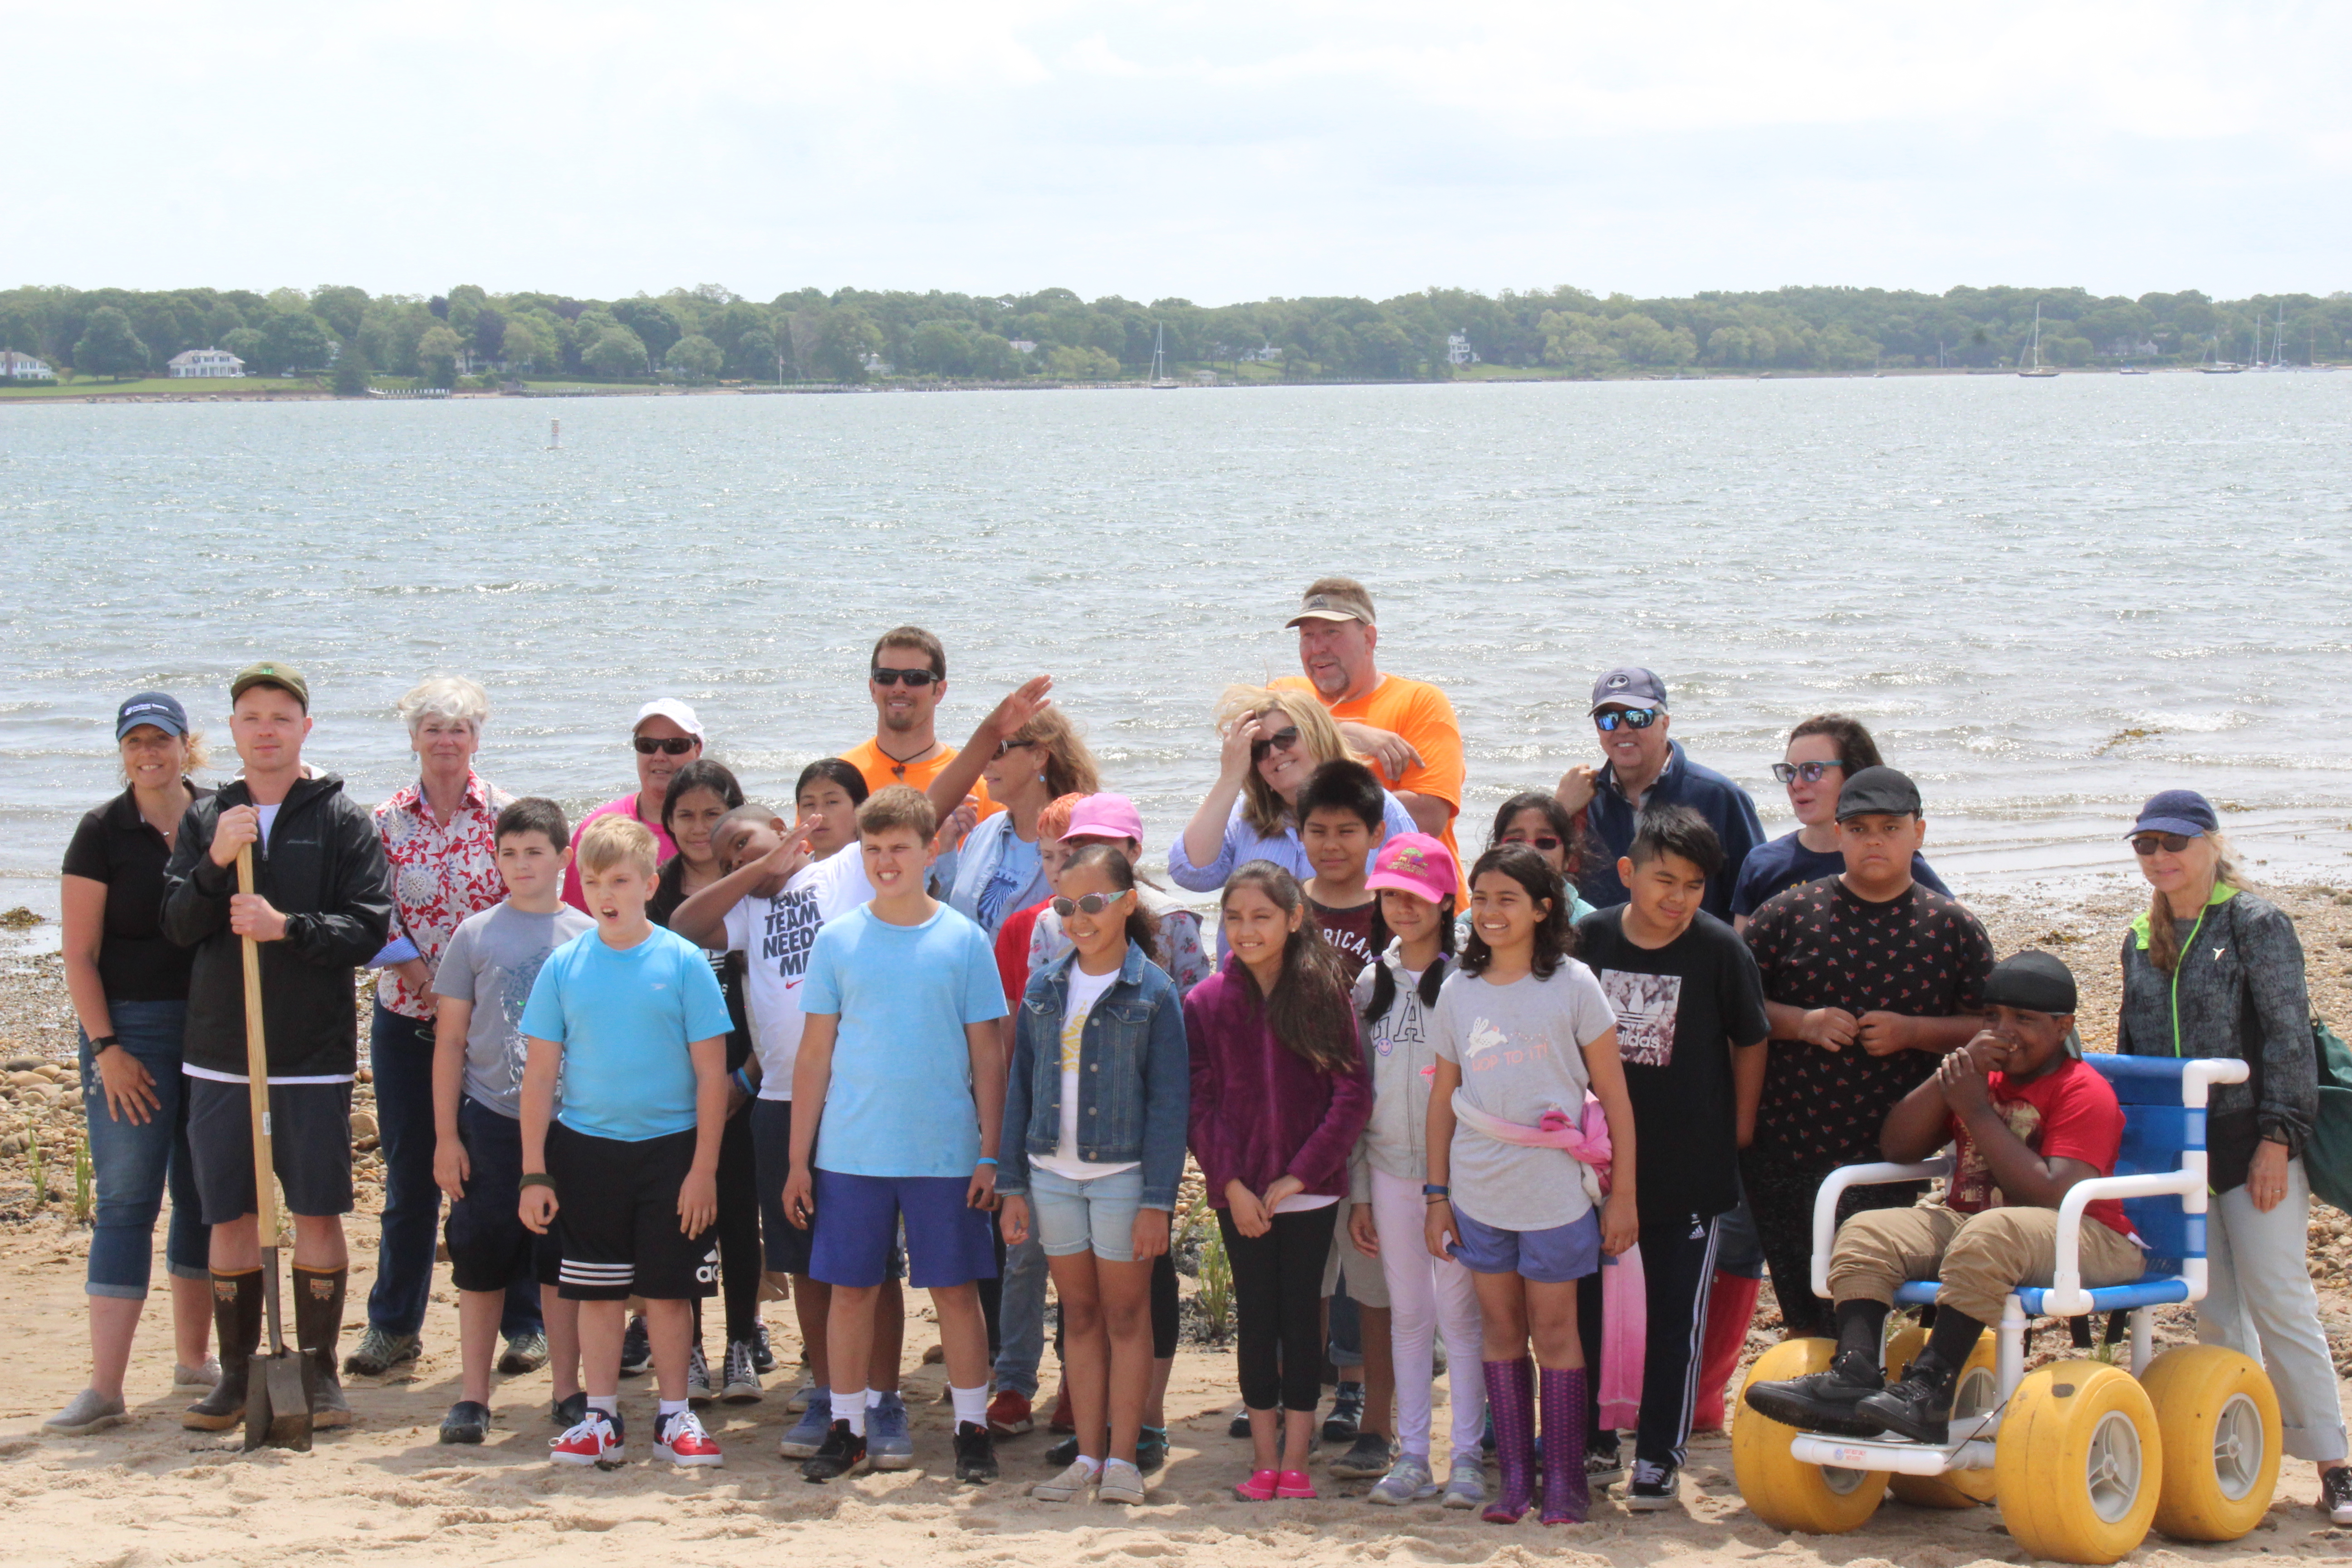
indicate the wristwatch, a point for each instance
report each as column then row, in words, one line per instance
column 1431, row 1190
column 98, row 1047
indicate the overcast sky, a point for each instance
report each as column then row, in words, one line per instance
column 1218, row 152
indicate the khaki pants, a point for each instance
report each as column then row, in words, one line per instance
column 1979, row 1257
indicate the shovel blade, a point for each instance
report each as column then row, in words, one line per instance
column 276, row 1410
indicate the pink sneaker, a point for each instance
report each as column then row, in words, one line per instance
column 1259, row 1487
column 682, row 1441
column 1293, row 1484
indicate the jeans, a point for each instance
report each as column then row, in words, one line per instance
column 1095, row 1215
column 400, row 1051
column 2260, row 1303
column 132, row 1162
column 1021, row 1317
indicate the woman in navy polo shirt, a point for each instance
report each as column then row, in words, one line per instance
column 130, row 989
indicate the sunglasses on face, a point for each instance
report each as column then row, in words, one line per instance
column 676, row 745
column 1790, row 772
column 915, row 679
column 1005, row 746
column 1085, row 903
column 1543, row 842
column 1632, row 718
column 1282, row 740
column 2148, row 844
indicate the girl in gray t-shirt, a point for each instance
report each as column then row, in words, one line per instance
column 1522, row 1032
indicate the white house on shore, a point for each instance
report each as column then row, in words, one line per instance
column 206, row 362
column 14, row 367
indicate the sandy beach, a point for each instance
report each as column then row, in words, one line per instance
column 386, row 1492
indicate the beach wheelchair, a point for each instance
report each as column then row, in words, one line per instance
column 2081, row 1457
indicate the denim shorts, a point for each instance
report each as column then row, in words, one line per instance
column 1070, row 1216
column 1554, row 1256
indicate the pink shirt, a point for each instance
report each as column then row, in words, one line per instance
column 627, row 805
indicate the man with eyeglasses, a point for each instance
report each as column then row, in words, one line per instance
column 1645, row 767
column 665, row 737
column 905, row 677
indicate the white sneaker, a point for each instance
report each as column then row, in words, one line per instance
column 1465, row 1483
column 1068, row 1487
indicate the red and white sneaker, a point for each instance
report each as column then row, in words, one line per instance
column 597, row 1440
column 681, row 1440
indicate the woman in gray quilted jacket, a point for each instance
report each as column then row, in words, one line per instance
column 2212, row 970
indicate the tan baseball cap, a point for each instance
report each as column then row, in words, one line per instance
column 1335, row 599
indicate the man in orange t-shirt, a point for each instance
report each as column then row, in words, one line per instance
column 907, row 677
column 1406, row 728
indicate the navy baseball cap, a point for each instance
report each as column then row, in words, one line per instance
column 1628, row 686
column 160, row 709
column 2177, row 811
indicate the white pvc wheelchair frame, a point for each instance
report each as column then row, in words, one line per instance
column 2066, row 1298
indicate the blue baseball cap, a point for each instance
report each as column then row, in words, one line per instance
column 1628, row 686
column 160, row 709
column 2182, row 811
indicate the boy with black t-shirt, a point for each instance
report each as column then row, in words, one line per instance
column 1870, row 979
column 1691, row 1029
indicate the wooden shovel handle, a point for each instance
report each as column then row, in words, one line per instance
column 256, row 1069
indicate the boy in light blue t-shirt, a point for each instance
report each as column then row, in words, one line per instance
column 897, row 1099
column 630, row 1021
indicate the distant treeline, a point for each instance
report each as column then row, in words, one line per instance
column 854, row 334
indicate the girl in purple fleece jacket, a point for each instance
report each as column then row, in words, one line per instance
column 1280, row 1093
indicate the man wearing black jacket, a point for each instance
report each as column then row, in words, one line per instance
column 321, row 905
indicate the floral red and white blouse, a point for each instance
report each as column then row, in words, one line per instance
column 440, row 875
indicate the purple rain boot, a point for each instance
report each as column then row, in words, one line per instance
column 1567, row 1500
column 1511, row 1400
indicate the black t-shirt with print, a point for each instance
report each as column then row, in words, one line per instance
column 1349, row 931
column 1680, row 1009
column 1919, row 955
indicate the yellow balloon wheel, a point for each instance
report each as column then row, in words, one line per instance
column 1978, row 1391
column 2220, row 1418
column 1787, row 1495
column 2079, row 1463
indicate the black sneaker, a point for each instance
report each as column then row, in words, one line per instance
column 1239, row 1425
column 1603, row 1464
column 1152, row 1451
column 2336, row 1494
column 1914, row 1408
column 1823, row 1401
column 1367, row 1459
column 569, row 1411
column 1064, row 1454
column 636, row 1349
column 841, row 1452
column 975, row 1454
column 763, row 1359
column 1655, row 1487
column 468, row 1421
column 1346, row 1417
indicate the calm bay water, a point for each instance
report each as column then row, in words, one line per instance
column 2007, row 579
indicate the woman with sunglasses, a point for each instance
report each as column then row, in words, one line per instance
column 1824, row 753
column 1273, row 740
column 2211, row 969
column 665, row 737
column 1094, row 1106
column 999, row 870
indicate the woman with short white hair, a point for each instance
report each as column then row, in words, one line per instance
column 444, row 859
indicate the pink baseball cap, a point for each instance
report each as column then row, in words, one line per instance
column 1105, row 816
column 1418, row 864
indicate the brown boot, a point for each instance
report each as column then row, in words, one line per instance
column 236, row 1321
column 318, row 1323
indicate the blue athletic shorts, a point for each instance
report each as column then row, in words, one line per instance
column 857, row 1220
column 1553, row 1256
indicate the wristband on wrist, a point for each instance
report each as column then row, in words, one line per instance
column 102, row 1043
column 988, row 1159
column 536, row 1179
column 1436, row 1190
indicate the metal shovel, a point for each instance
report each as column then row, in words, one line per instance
column 277, row 1409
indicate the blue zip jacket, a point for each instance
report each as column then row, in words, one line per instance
column 1135, row 1078
column 1612, row 819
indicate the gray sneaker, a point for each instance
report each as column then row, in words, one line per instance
column 1408, row 1481
column 697, row 1380
column 739, row 1376
column 1120, row 1482
column 88, row 1413
column 889, row 1445
column 1070, row 1485
column 204, row 1376
column 378, row 1352
column 808, row 1434
column 1465, row 1483
column 525, row 1354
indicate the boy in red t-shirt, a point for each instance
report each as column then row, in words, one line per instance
column 2030, row 1119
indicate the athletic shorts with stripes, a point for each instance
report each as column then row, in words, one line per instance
column 617, row 1219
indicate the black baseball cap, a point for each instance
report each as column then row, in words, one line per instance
column 1878, row 792
column 1628, row 686
column 160, row 709
column 2036, row 981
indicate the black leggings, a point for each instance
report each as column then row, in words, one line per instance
column 1780, row 1193
column 1279, row 1305
column 740, row 1259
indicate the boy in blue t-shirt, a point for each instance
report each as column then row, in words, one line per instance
column 897, row 1095
column 629, row 1020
